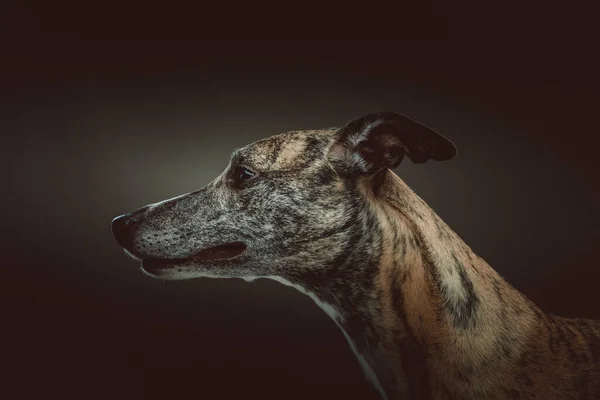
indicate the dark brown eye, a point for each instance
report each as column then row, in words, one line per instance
column 241, row 174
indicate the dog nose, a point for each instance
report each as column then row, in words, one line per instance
column 122, row 228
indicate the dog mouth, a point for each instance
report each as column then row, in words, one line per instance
column 215, row 253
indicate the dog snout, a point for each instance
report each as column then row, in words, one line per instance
column 123, row 228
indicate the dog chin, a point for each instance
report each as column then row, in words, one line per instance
column 178, row 273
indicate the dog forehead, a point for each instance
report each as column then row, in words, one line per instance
column 286, row 150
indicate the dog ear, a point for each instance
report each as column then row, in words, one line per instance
column 370, row 143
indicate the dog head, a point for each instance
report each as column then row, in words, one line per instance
column 285, row 206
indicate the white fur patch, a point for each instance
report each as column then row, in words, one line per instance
column 338, row 319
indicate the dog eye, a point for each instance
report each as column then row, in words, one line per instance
column 242, row 174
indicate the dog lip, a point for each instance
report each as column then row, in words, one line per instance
column 220, row 252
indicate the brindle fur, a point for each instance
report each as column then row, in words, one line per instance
column 427, row 317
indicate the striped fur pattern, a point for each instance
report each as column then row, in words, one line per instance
column 321, row 210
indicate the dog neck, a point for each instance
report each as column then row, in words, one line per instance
column 412, row 302
column 457, row 316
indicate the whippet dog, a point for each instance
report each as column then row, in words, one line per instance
column 321, row 210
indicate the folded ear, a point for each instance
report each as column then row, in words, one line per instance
column 373, row 142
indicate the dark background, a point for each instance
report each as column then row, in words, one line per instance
column 93, row 128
